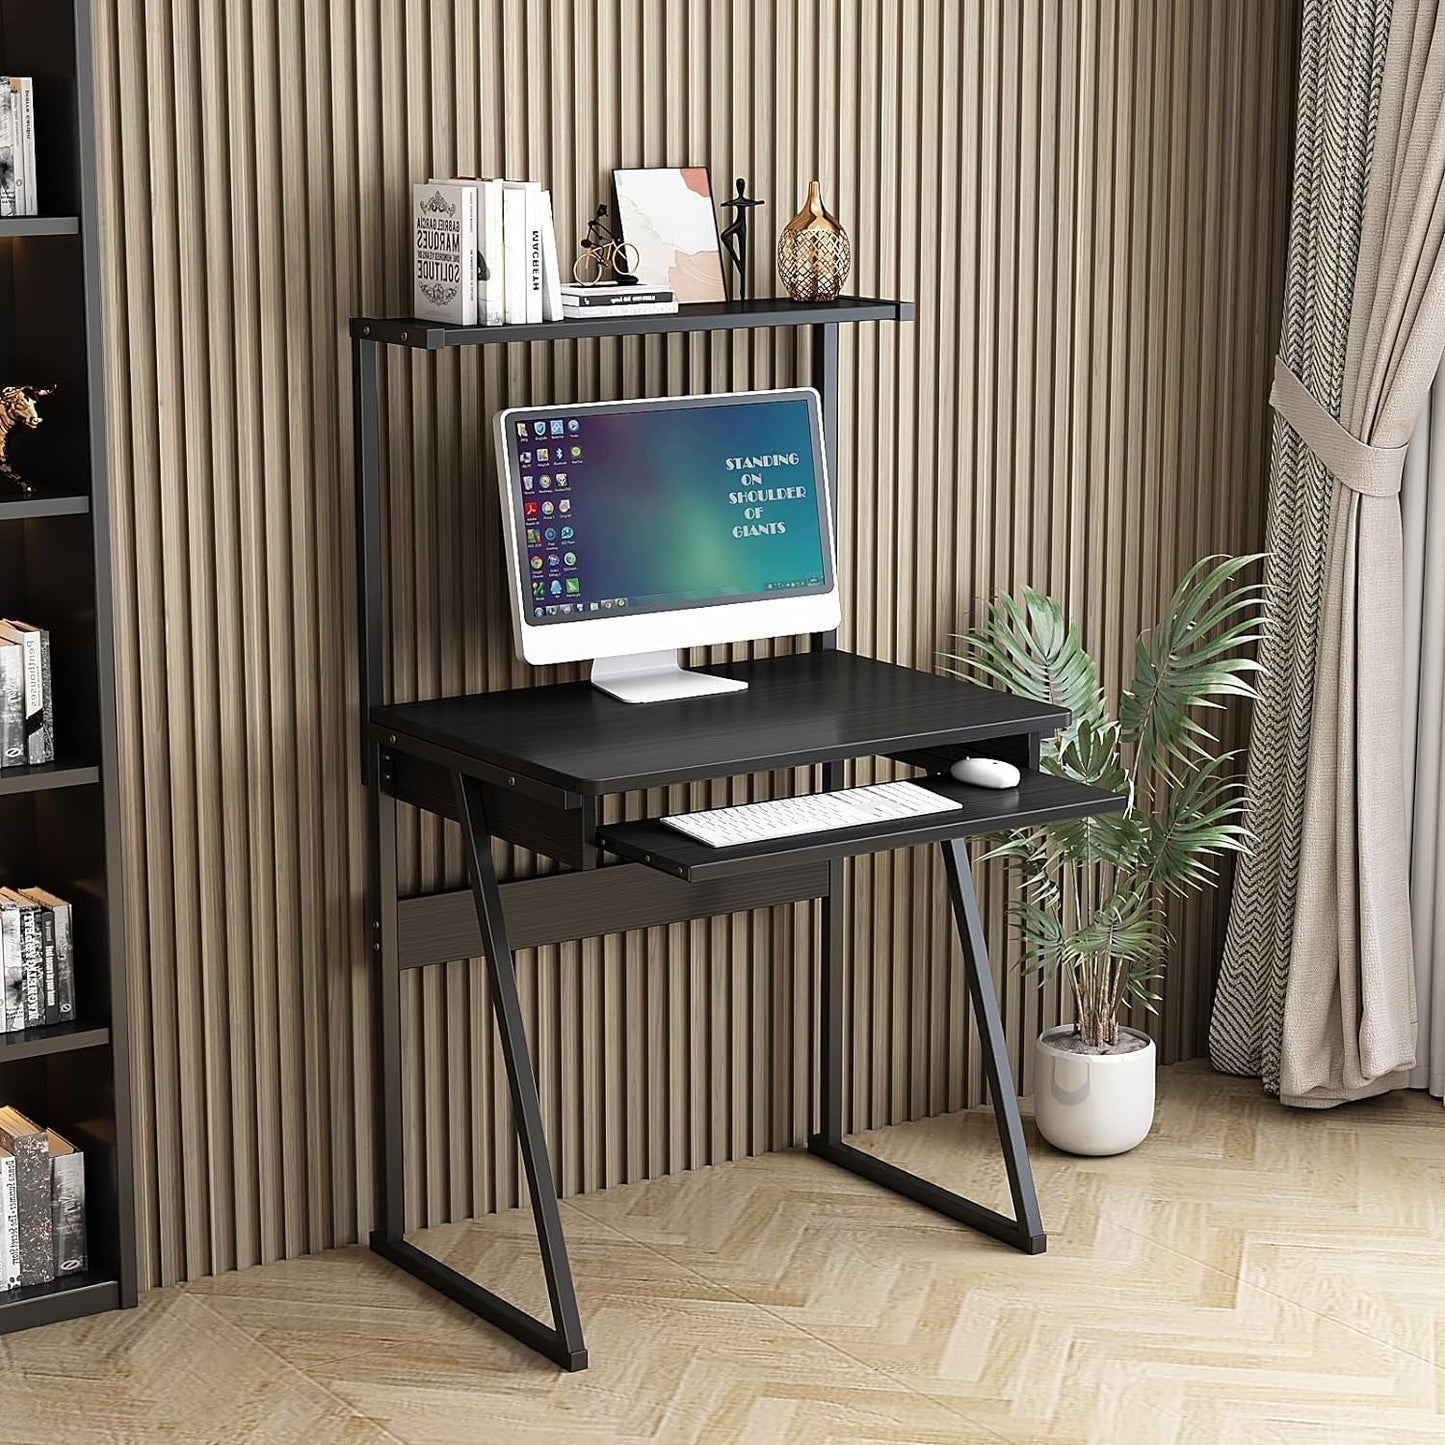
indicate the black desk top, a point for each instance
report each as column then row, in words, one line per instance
column 810, row 708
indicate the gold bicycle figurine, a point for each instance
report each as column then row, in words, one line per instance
column 603, row 252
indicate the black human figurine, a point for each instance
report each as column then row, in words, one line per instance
column 735, row 237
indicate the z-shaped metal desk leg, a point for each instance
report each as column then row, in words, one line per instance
column 562, row 1341
column 1025, row 1231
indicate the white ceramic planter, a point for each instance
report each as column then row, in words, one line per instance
column 1093, row 1103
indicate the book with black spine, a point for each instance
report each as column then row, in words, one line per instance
column 47, row 942
column 31, row 1148
column 67, row 1205
column 12, row 703
column 12, row 960
column 62, row 931
column 9, row 1223
column 39, row 716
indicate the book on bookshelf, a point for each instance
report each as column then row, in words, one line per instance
column 9, row 1223
column 12, row 703
column 42, row 1203
column 31, row 1148
column 491, row 260
column 58, row 918
column 34, row 695
column 67, row 1205
column 18, row 192
column 551, row 275
column 36, row 959
column 444, row 260
column 595, row 302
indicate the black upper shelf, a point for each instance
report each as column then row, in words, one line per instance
column 698, row 316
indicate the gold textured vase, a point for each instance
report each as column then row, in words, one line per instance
column 814, row 256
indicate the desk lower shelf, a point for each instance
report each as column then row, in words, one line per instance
column 1039, row 798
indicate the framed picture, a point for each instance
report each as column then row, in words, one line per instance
column 666, row 212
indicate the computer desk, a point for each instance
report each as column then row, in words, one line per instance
column 532, row 766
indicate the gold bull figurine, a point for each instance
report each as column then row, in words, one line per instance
column 17, row 408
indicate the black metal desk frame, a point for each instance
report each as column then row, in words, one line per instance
column 493, row 798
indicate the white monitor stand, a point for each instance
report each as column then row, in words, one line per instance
column 656, row 677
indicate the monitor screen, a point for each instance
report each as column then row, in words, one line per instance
column 665, row 505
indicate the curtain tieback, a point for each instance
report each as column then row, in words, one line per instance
column 1371, row 471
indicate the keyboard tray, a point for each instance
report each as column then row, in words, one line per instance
column 1039, row 798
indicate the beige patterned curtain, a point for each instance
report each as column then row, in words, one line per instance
column 1347, row 1025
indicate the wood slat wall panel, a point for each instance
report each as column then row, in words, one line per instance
column 1087, row 201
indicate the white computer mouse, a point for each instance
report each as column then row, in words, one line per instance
column 985, row 773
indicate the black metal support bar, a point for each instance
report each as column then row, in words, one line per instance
column 366, row 445
column 386, row 984
column 1025, row 1231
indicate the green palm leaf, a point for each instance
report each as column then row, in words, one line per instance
column 1191, row 659
column 1029, row 648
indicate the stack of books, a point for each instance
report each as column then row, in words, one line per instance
column 484, row 253
column 26, row 721
column 37, row 959
column 42, row 1203
column 594, row 302
column 18, row 192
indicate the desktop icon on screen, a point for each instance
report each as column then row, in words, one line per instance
column 536, row 564
column 529, row 509
column 574, row 586
column 569, row 559
column 543, row 454
column 557, row 427
column 564, row 506
column 561, row 478
column 568, row 533
column 572, row 425
column 576, row 453
column 539, row 428
column 556, row 588
column 521, row 428
column 545, row 481
column 524, row 459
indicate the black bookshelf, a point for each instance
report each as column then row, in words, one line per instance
column 59, row 822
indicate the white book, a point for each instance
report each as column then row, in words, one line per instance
column 9, row 151
column 531, row 249
column 491, row 308
column 39, row 717
column 27, row 145
column 514, row 253
column 9, row 1223
column 16, row 86
column 12, row 961
column 444, row 260
column 551, row 276
column 600, row 313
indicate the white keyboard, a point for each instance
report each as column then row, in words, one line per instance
column 812, row 813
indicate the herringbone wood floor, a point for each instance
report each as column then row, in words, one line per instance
column 1248, row 1274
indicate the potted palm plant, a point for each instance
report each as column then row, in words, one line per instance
column 1092, row 894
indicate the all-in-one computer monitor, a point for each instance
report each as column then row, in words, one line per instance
column 634, row 528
